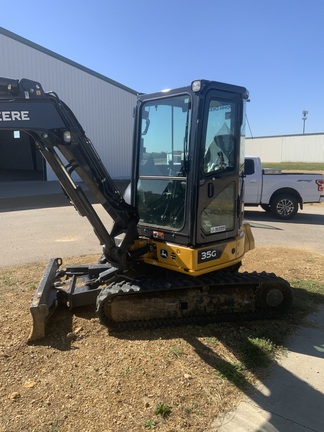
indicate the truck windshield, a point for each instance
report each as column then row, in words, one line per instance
column 163, row 161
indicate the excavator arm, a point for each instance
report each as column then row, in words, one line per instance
column 24, row 106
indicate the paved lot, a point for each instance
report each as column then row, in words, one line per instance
column 305, row 231
column 39, row 223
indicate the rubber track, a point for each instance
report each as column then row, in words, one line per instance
column 215, row 280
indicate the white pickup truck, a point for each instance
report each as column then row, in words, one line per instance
column 280, row 193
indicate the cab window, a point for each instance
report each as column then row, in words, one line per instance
column 220, row 143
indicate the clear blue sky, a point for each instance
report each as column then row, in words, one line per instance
column 272, row 47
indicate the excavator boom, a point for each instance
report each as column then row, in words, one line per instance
column 58, row 135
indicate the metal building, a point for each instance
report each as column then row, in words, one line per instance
column 287, row 148
column 104, row 108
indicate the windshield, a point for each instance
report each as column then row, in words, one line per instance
column 164, row 135
column 163, row 161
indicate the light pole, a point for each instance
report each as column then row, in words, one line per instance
column 304, row 119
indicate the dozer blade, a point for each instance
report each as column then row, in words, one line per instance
column 44, row 301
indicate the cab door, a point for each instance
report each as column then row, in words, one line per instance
column 219, row 205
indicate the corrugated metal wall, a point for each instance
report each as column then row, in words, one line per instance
column 104, row 109
column 289, row 148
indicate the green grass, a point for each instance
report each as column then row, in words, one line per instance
column 150, row 424
column 175, row 351
column 8, row 280
column 258, row 351
column 291, row 166
column 233, row 372
column 314, row 288
column 163, row 410
column 308, row 295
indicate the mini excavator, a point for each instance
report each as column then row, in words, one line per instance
column 177, row 240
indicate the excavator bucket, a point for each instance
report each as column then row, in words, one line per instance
column 44, row 301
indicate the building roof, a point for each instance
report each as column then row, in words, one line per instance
column 40, row 48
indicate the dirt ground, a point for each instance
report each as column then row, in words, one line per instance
column 81, row 378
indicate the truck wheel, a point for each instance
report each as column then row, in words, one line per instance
column 284, row 206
